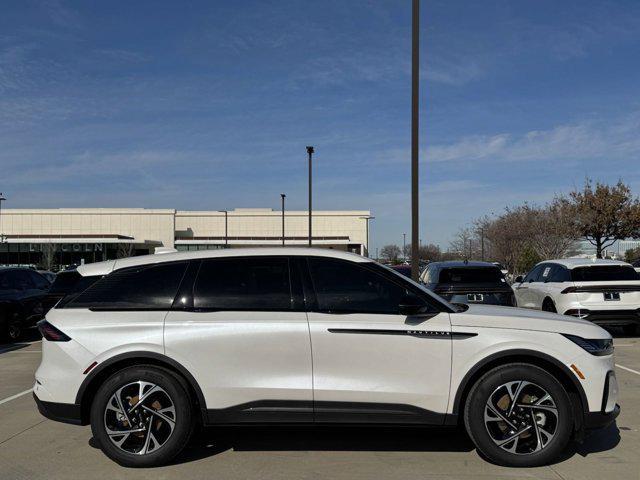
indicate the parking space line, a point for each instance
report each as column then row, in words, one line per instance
column 18, row 395
column 628, row 369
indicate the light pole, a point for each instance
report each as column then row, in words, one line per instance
column 282, row 197
column 310, row 153
column 404, row 246
column 415, row 116
column 2, row 237
column 367, row 236
column 226, row 226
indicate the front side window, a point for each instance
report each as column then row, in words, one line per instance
column 16, row 280
column 533, row 275
column 251, row 283
column 344, row 287
column 147, row 287
column 39, row 281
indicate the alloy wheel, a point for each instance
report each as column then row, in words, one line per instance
column 521, row 417
column 140, row 417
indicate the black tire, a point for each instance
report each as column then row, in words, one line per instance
column 548, row 306
column 10, row 327
column 631, row 330
column 489, row 387
column 171, row 392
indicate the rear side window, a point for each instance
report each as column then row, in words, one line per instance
column 253, row 283
column 148, row 287
column 471, row 275
column 67, row 286
column 603, row 274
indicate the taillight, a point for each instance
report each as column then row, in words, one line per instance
column 569, row 290
column 51, row 333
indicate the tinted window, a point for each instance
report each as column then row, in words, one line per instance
column 67, row 286
column 533, row 275
column 347, row 287
column 603, row 274
column 39, row 281
column 470, row 275
column 559, row 274
column 16, row 280
column 144, row 287
column 254, row 283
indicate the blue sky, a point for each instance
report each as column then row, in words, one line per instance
column 209, row 105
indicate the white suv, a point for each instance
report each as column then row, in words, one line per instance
column 157, row 345
column 606, row 292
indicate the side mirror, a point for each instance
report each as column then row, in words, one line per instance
column 410, row 310
column 519, row 279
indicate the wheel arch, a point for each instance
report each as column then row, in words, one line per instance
column 103, row 370
column 548, row 299
column 560, row 371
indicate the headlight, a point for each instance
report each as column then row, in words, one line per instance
column 594, row 347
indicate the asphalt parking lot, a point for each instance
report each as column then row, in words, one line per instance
column 32, row 447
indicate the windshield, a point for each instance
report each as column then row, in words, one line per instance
column 450, row 306
column 471, row 275
column 603, row 274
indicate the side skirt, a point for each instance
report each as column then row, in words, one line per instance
column 296, row 412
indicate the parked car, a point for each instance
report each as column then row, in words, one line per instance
column 404, row 269
column 68, row 283
column 161, row 343
column 606, row 292
column 48, row 275
column 21, row 293
column 468, row 282
column 636, row 265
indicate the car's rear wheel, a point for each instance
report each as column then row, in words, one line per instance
column 519, row 415
column 142, row 417
column 548, row 306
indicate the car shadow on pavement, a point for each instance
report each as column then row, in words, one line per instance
column 214, row 441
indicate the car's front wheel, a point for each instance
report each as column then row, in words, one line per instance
column 142, row 417
column 519, row 415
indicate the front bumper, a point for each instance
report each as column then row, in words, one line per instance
column 60, row 412
column 596, row 420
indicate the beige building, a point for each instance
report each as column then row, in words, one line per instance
column 52, row 237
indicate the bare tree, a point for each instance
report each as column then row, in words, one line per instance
column 124, row 250
column 48, row 255
column 428, row 252
column 390, row 253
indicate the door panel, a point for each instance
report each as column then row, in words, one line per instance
column 371, row 363
column 245, row 340
column 241, row 358
column 371, row 359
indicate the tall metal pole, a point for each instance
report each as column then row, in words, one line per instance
column 283, row 196
column 366, row 219
column 404, row 247
column 2, row 199
column 415, row 96
column 310, row 152
column 226, row 226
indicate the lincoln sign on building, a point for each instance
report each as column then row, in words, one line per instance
column 56, row 238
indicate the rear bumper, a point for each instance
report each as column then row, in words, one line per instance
column 60, row 412
column 612, row 317
column 596, row 420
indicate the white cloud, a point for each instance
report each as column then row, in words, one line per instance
column 585, row 140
